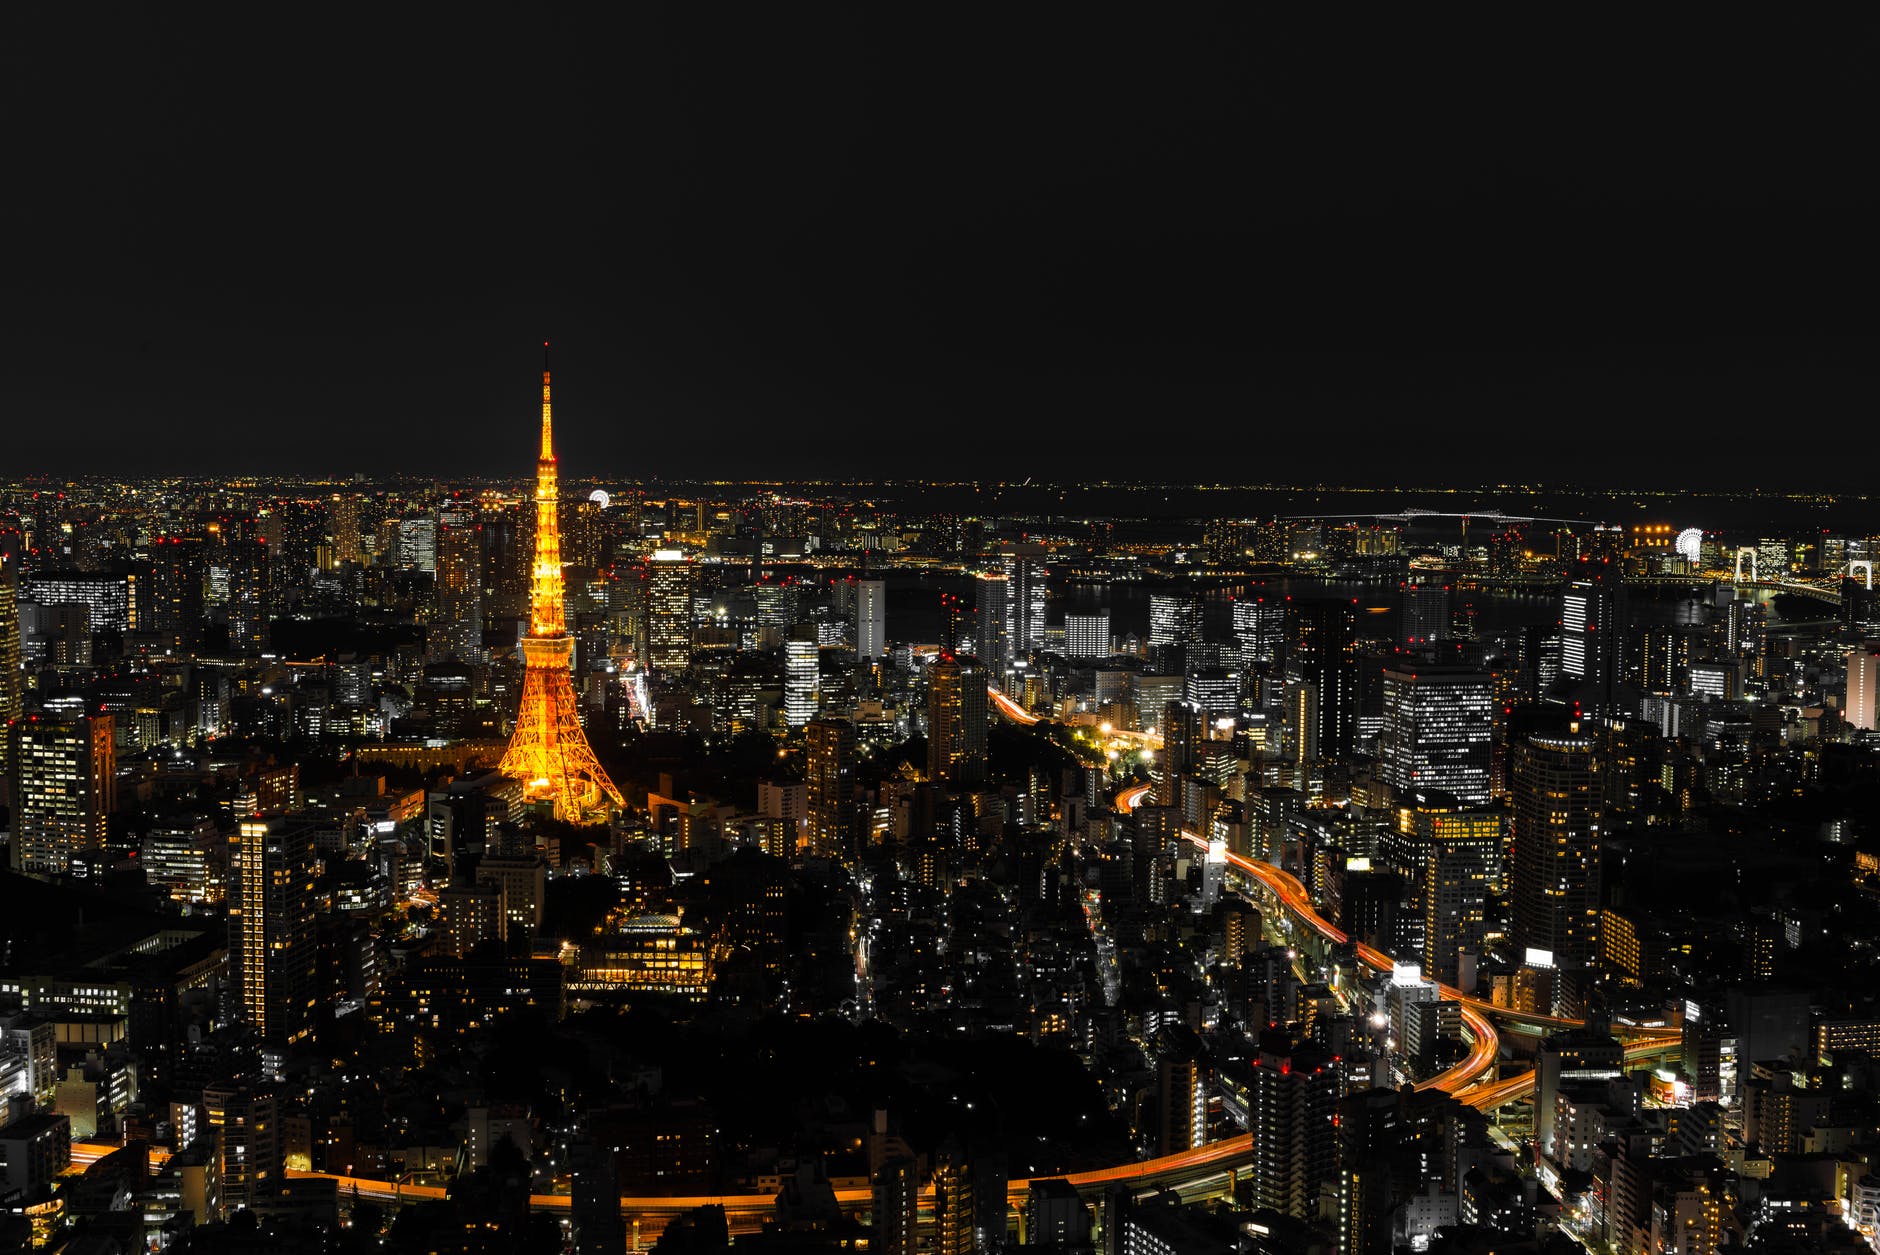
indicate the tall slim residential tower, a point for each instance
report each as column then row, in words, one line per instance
column 1554, row 899
column 64, row 773
column 548, row 751
column 1322, row 678
column 871, row 619
column 990, row 595
column 956, row 722
column 12, row 682
column 272, row 939
column 829, row 773
column 1863, row 679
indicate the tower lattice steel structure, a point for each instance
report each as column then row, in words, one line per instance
column 548, row 751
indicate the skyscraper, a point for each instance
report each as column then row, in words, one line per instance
column 1555, row 892
column 990, row 595
column 548, row 751
column 272, row 939
column 669, row 613
column 1174, row 619
column 1292, row 1102
column 829, row 777
column 459, row 627
column 956, row 722
column 1259, row 626
column 1087, row 635
column 801, row 674
column 1322, row 678
column 871, row 619
column 64, row 772
column 1590, row 614
column 177, row 573
column 1863, row 682
column 1425, row 612
column 244, row 1117
column 1024, row 602
column 1438, row 730
column 1455, row 864
column 12, row 681
column 343, row 526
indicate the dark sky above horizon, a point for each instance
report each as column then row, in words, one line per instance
column 1227, row 245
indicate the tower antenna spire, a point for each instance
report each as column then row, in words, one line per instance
column 548, row 426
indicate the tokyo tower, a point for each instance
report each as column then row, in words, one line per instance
column 548, row 751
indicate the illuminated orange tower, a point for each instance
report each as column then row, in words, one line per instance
column 548, row 751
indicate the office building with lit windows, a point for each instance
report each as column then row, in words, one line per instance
column 669, row 613
column 802, row 661
column 64, row 773
column 1087, row 635
column 1174, row 619
column 1438, row 730
column 1024, row 603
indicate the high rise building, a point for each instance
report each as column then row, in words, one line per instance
column 1580, row 1054
column 1321, row 679
column 1863, row 683
column 272, row 939
column 12, row 678
column 178, row 571
column 548, row 751
column 343, row 526
column 245, row 1118
column 1260, row 627
column 1455, row 863
column 459, row 627
column 1554, row 895
column 64, row 773
column 1087, row 635
column 871, row 619
column 802, row 660
column 957, row 710
column 1174, row 619
column 1425, row 614
column 1438, row 730
column 829, row 776
column 991, row 593
column 1184, row 1080
column 105, row 595
column 1292, row 1104
column 955, row 1203
column 1024, row 604
column 1591, row 611
column 894, row 1199
column 669, row 613
column 417, row 544
column 250, row 603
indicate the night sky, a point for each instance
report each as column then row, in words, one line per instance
column 889, row 240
